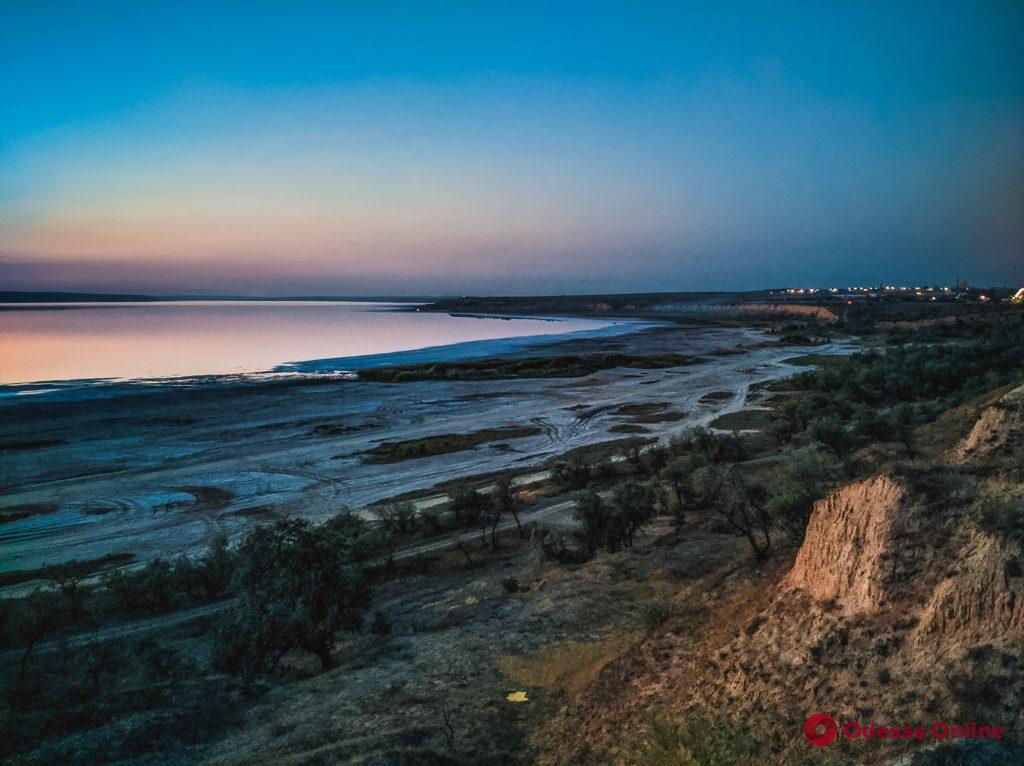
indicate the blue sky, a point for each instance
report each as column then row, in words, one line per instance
column 508, row 147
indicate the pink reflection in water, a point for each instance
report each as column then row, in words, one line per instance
column 167, row 339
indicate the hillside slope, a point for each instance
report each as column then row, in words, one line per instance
column 904, row 605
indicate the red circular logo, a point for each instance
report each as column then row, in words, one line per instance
column 820, row 729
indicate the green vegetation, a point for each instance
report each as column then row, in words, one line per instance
column 613, row 525
column 744, row 420
column 716, row 396
column 878, row 397
column 569, row 366
column 649, row 412
column 24, row 510
column 297, row 586
column 71, row 570
column 627, row 428
column 410, row 449
column 289, row 592
column 699, row 741
column 804, row 476
column 61, row 708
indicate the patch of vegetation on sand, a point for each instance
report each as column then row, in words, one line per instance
column 716, row 396
column 68, row 571
column 25, row 446
column 743, row 420
column 594, row 453
column 730, row 351
column 815, row 360
column 649, row 412
column 442, row 444
column 569, row 366
column 24, row 510
column 208, row 498
column 337, row 429
column 627, row 428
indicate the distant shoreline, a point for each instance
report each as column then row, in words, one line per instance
column 56, row 296
column 314, row 370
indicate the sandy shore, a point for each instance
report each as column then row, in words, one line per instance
column 162, row 472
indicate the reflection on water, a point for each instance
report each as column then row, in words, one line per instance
column 45, row 342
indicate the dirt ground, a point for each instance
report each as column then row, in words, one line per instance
column 464, row 647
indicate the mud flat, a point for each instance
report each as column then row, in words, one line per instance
column 162, row 471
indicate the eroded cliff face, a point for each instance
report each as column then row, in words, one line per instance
column 900, row 606
column 852, row 550
column 818, row 313
column 982, row 600
column 998, row 433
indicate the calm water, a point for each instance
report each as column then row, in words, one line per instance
column 57, row 342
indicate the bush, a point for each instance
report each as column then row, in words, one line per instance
column 830, row 431
column 467, row 504
column 655, row 613
column 380, row 625
column 805, row 476
column 298, row 586
column 562, row 547
column 511, row 586
column 575, row 473
column 399, row 518
column 1002, row 515
column 698, row 741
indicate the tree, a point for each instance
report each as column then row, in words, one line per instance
column 574, row 473
column 467, row 504
column 613, row 525
column 593, row 514
column 788, row 421
column 805, row 475
column 830, row 431
column 298, row 586
column 679, row 476
column 399, row 518
column 739, row 504
column 355, row 539
column 29, row 621
column 506, row 498
column 634, row 506
column 631, row 449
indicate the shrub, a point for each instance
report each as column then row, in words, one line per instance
column 297, row 586
column 698, row 741
column 655, row 613
column 805, row 476
column 399, row 518
column 562, row 547
column 467, row 504
column 511, row 586
column 380, row 625
column 575, row 473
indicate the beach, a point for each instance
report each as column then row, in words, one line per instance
column 161, row 470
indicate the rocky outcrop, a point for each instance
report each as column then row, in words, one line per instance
column 850, row 553
column 998, row 432
column 983, row 600
column 804, row 311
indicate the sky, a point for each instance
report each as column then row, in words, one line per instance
column 508, row 148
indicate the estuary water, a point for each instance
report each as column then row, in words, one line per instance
column 103, row 342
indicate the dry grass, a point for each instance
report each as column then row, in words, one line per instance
column 566, row 666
